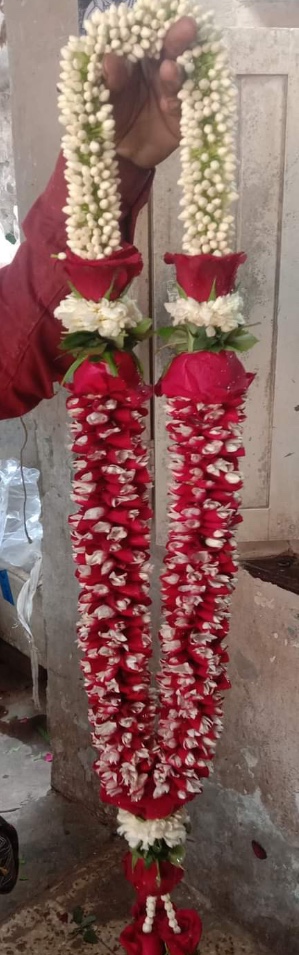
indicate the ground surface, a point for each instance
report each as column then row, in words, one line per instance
column 71, row 865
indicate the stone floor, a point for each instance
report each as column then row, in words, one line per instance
column 70, row 864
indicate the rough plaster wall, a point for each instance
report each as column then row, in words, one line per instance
column 251, row 13
column 7, row 184
column 254, row 793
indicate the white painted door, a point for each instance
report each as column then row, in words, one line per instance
column 266, row 62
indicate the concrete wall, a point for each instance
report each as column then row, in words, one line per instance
column 254, row 13
column 7, row 183
column 254, row 794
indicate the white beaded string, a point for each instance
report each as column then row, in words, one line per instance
column 207, row 128
column 151, row 905
column 170, row 912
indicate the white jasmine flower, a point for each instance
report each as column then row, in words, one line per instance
column 225, row 313
column 207, row 126
column 143, row 833
column 105, row 317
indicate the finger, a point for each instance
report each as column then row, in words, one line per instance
column 170, row 105
column 117, row 72
column 179, row 37
column 171, row 78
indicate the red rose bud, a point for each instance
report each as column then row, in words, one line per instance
column 208, row 377
column 199, row 275
column 136, row 942
column 188, row 940
column 97, row 379
column 93, row 279
column 155, row 880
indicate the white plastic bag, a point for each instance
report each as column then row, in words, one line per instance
column 19, row 516
column 8, row 249
column 20, row 542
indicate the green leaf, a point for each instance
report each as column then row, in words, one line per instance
column 135, row 858
column 166, row 332
column 143, row 330
column 120, row 340
column 241, row 340
column 213, row 293
column 181, row 292
column 148, row 861
column 201, row 341
column 75, row 291
column 190, row 339
column 110, row 361
column 44, row 733
column 110, row 289
column 71, row 371
column 95, row 359
column 139, row 365
column 179, row 338
column 78, row 915
column 177, row 855
column 88, row 921
column 96, row 349
column 76, row 340
column 90, row 937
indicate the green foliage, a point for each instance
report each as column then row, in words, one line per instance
column 91, row 345
column 191, row 338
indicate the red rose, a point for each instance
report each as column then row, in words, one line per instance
column 198, row 274
column 210, row 377
column 96, row 379
column 153, row 880
column 191, row 931
column 93, row 278
column 136, row 942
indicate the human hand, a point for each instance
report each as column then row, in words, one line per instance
column 144, row 96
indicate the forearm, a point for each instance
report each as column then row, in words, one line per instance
column 34, row 284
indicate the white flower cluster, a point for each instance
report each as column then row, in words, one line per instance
column 143, row 833
column 208, row 108
column 224, row 313
column 207, row 145
column 107, row 318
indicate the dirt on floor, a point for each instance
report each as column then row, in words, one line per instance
column 89, row 907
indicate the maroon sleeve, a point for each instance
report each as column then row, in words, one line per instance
column 34, row 284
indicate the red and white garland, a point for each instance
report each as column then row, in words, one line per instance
column 153, row 750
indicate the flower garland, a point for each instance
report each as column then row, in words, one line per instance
column 152, row 754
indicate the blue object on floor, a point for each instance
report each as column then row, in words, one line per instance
column 5, row 587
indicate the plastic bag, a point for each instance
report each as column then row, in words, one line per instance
column 20, row 543
column 19, row 511
column 9, row 247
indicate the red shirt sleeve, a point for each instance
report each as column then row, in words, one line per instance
column 34, row 284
